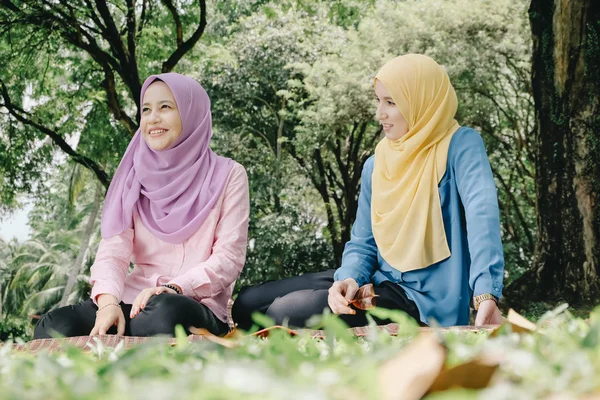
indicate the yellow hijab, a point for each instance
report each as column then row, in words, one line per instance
column 405, row 211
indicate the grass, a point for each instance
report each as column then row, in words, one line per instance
column 562, row 357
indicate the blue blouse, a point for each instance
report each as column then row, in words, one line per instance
column 468, row 197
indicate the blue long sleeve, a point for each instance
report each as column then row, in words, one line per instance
column 468, row 198
column 478, row 193
column 359, row 260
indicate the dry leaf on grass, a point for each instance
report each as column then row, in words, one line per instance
column 365, row 297
column 474, row 374
column 409, row 375
column 517, row 322
column 213, row 338
column 265, row 332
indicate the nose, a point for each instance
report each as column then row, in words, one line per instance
column 154, row 117
column 380, row 114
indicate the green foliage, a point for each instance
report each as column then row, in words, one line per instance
column 301, row 94
column 291, row 90
column 33, row 273
column 12, row 328
column 559, row 359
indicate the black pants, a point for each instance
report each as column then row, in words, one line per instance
column 296, row 299
column 160, row 316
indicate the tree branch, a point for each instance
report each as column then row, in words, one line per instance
column 143, row 16
column 131, row 32
column 188, row 44
column 22, row 116
column 128, row 65
column 513, row 200
column 178, row 29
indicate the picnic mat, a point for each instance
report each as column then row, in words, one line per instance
column 87, row 342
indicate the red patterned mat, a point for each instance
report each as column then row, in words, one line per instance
column 85, row 342
column 361, row 331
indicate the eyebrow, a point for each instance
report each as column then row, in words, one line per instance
column 160, row 102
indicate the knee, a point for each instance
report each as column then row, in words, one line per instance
column 160, row 316
column 54, row 324
column 248, row 300
column 281, row 310
column 296, row 308
column 246, row 303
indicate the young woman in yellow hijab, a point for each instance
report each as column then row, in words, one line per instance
column 427, row 230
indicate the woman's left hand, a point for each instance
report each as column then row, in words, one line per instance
column 142, row 299
column 488, row 314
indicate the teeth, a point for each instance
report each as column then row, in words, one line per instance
column 156, row 131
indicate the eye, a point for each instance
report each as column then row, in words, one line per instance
column 145, row 110
column 391, row 103
column 165, row 106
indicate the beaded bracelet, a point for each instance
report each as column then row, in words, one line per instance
column 106, row 305
column 172, row 287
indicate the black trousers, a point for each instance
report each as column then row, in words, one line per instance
column 160, row 316
column 296, row 299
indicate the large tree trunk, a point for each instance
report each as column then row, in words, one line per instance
column 566, row 90
column 1, row 301
column 85, row 242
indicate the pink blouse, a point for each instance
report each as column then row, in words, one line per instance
column 205, row 266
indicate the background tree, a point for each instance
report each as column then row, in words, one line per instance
column 304, row 91
column 75, row 68
column 291, row 85
column 566, row 88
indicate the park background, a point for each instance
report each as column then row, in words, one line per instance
column 292, row 100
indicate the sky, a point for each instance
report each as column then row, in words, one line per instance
column 15, row 225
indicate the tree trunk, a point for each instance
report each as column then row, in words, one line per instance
column 566, row 90
column 85, row 242
column 1, row 301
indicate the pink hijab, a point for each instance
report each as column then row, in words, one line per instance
column 175, row 189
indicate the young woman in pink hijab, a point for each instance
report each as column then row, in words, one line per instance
column 179, row 213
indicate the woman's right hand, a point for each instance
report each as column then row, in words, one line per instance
column 341, row 293
column 109, row 315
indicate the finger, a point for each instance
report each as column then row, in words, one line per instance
column 94, row 331
column 333, row 303
column 147, row 295
column 351, row 292
column 340, row 304
column 342, row 309
column 338, row 298
column 102, row 330
column 137, row 303
column 121, row 325
column 135, row 307
column 479, row 319
column 161, row 289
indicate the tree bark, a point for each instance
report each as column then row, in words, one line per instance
column 1, row 302
column 85, row 242
column 566, row 90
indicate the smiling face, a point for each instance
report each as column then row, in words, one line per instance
column 160, row 122
column 388, row 114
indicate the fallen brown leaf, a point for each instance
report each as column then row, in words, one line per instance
column 265, row 332
column 517, row 322
column 213, row 338
column 474, row 374
column 410, row 374
column 365, row 297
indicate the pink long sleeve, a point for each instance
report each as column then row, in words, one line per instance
column 220, row 271
column 112, row 262
column 205, row 266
